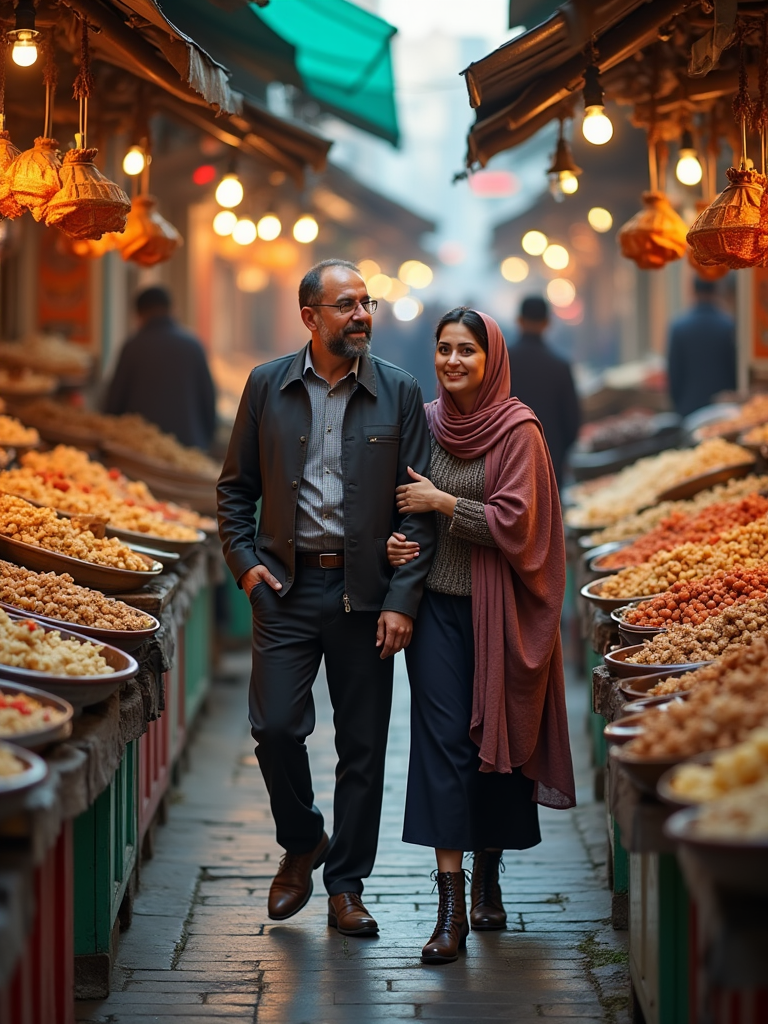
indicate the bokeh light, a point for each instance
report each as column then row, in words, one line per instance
column 244, row 232
column 368, row 269
column 306, row 229
column 415, row 274
column 561, row 292
column 407, row 308
column 534, row 242
column 269, row 227
column 229, row 191
column 600, row 219
column 556, row 257
column 514, row 269
column 379, row 286
column 224, row 222
column 252, row 279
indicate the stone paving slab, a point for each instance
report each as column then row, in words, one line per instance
column 202, row 949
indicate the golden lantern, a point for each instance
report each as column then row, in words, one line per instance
column 728, row 232
column 712, row 272
column 33, row 177
column 148, row 237
column 88, row 204
column 9, row 207
column 655, row 235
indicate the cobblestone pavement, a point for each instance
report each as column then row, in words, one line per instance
column 201, row 948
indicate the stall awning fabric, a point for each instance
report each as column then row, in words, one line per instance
column 517, row 89
column 343, row 55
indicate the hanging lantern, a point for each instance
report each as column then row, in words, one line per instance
column 88, row 203
column 728, row 232
column 9, row 206
column 33, row 177
column 148, row 237
column 712, row 272
column 655, row 236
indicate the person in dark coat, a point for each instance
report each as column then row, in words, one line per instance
column 542, row 380
column 163, row 375
column 702, row 352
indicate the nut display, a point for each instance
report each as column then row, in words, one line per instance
column 741, row 663
column 743, row 546
column 638, row 523
column 42, row 527
column 13, row 433
column 736, row 626
column 718, row 714
column 637, row 485
column 742, row 814
column 694, row 601
column 753, row 412
column 742, row 765
column 25, row 644
column 59, row 597
column 705, row 527
column 20, row 713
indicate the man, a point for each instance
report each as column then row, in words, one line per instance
column 543, row 381
column 702, row 352
column 324, row 437
column 163, row 375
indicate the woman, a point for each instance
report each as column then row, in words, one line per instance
column 489, row 734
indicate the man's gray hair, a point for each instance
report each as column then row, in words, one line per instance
column 311, row 287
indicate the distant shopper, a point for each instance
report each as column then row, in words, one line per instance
column 163, row 375
column 542, row 380
column 702, row 352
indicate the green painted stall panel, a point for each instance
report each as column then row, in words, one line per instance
column 198, row 652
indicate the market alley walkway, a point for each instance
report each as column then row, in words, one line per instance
column 201, row 948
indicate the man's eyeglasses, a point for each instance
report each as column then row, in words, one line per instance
column 349, row 305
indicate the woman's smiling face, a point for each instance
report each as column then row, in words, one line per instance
column 460, row 364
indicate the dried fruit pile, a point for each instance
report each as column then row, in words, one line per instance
column 694, row 601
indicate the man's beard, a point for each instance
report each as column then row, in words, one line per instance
column 344, row 346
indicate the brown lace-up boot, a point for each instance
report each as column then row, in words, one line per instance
column 487, row 913
column 451, row 930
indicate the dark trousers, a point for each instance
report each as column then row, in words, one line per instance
column 291, row 635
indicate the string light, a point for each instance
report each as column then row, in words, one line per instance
column 563, row 174
column 534, row 242
column 407, row 308
column 689, row 170
column 600, row 219
column 229, row 191
column 306, row 229
column 244, row 231
column 596, row 127
column 379, row 285
column 269, row 227
column 24, row 36
column 415, row 274
column 134, row 161
column 514, row 269
column 561, row 292
column 224, row 222
column 556, row 257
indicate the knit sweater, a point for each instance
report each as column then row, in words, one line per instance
column 451, row 571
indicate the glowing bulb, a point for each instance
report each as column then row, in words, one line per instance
column 600, row 219
column 514, row 269
column 305, row 229
column 688, row 170
column 379, row 286
column 134, row 161
column 224, row 222
column 535, row 242
column 407, row 308
column 244, row 231
column 597, row 126
column 561, row 292
column 24, row 51
column 229, row 191
column 269, row 227
column 569, row 183
column 415, row 274
column 556, row 257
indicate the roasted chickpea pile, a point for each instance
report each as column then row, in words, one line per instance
column 742, row 814
column 635, row 486
column 25, row 644
column 694, row 601
column 42, row 527
column 706, row 527
column 59, row 597
column 14, row 434
column 717, row 714
column 737, row 625
column 639, row 523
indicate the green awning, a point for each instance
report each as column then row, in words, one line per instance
column 343, row 56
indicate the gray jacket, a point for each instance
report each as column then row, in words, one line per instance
column 385, row 431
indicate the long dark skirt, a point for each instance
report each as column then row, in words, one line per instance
column 450, row 804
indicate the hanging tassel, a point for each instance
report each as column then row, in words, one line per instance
column 9, row 208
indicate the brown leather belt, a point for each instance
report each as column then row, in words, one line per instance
column 326, row 560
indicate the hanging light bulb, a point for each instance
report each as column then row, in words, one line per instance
column 306, row 229
column 229, row 191
column 269, row 227
column 597, row 127
column 24, row 36
column 134, row 161
column 244, row 231
column 224, row 223
column 563, row 180
column 689, row 170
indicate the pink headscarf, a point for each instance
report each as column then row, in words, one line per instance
column 518, row 715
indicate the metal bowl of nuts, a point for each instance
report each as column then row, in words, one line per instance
column 616, row 661
column 31, row 717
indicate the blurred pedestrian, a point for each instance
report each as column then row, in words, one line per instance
column 542, row 380
column 162, row 374
column 323, row 437
column 489, row 731
column 701, row 360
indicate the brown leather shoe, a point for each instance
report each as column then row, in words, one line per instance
column 347, row 914
column 451, row 930
column 487, row 913
column 292, row 885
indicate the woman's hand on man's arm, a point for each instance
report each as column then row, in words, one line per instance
column 423, row 496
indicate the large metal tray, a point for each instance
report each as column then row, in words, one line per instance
column 637, row 687
column 617, row 663
column 645, row 772
column 608, row 604
column 40, row 738
column 87, row 574
column 14, row 788
column 127, row 640
column 151, row 540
